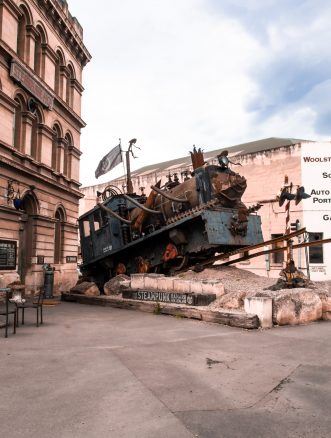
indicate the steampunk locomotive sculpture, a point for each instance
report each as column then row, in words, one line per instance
column 177, row 225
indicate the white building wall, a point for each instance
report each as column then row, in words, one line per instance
column 316, row 178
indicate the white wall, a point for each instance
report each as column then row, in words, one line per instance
column 316, row 176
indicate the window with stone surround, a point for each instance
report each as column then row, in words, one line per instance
column 316, row 255
column 24, row 21
column 67, row 157
column 70, row 86
column 56, row 152
column 39, row 55
column 59, row 79
column 18, row 122
column 59, row 235
column 36, row 136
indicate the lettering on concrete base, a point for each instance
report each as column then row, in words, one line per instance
column 161, row 297
column 30, row 83
column 169, row 297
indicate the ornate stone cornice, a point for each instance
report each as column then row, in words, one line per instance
column 64, row 24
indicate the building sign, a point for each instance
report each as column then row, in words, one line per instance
column 316, row 179
column 169, row 297
column 71, row 259
column 30, row 83
column 8, row 250
column 40, row 260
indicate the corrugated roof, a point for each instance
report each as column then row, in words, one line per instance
column 237, row 150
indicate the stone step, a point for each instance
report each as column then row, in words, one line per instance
column 189, row 299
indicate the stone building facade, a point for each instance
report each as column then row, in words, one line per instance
column 264, row 163
column 42, row 56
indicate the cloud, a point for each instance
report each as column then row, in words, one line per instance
column 295, row 62
column 205, row 72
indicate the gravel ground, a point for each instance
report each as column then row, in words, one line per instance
column 239, row 283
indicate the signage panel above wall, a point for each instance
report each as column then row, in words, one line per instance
column 31, row 84
column 8, row 251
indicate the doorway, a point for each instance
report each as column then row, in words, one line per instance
column 27, row 235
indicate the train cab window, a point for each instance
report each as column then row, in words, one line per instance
column 100, row 219
column 86, row 227
column 316, row 252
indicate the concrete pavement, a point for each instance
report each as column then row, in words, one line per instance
column 103, row 372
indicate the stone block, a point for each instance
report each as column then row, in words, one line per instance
column 86, row 288
column 196, row 287
column 165, row 283
column 213, row 287
column 183, row 286
column 262, row 307
column 151, row 281
column 116, row 285
column 295, row 306
column 137, row 281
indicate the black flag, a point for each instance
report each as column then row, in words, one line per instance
column 109, row 161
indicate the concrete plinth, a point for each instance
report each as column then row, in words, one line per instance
column 213, row 287
column 165, row 283
column 196, row 287
column 137, row 281
column 151, row 281
column 183, row 286
column 262, row 307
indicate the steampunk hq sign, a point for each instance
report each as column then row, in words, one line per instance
column 188, row 299
column 31, row 84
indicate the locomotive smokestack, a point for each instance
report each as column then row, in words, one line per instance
column 197, row 158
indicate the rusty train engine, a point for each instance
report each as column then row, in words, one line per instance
column 177, row 225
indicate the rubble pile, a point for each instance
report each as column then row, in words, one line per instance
column 290, row 306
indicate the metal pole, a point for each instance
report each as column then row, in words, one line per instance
column 287, row 232
column 129, row 186
column 307, row 258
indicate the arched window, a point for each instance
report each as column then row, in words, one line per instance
column 67, row 161
column 36, row 136
column 24, row 20
column 56, row 157
column 39, row 61
column 70, row 86
column 58, row 85
column 18, row 122
column 60, row 218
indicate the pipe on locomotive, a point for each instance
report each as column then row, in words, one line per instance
column 166, row 195
column 142, row 207
column 112, row 213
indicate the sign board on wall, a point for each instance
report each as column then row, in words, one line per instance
column 30, row 83
column 8, row 251
column 316, row 178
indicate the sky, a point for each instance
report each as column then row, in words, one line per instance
column 213, row 73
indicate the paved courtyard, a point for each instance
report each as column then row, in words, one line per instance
column 102, row 372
